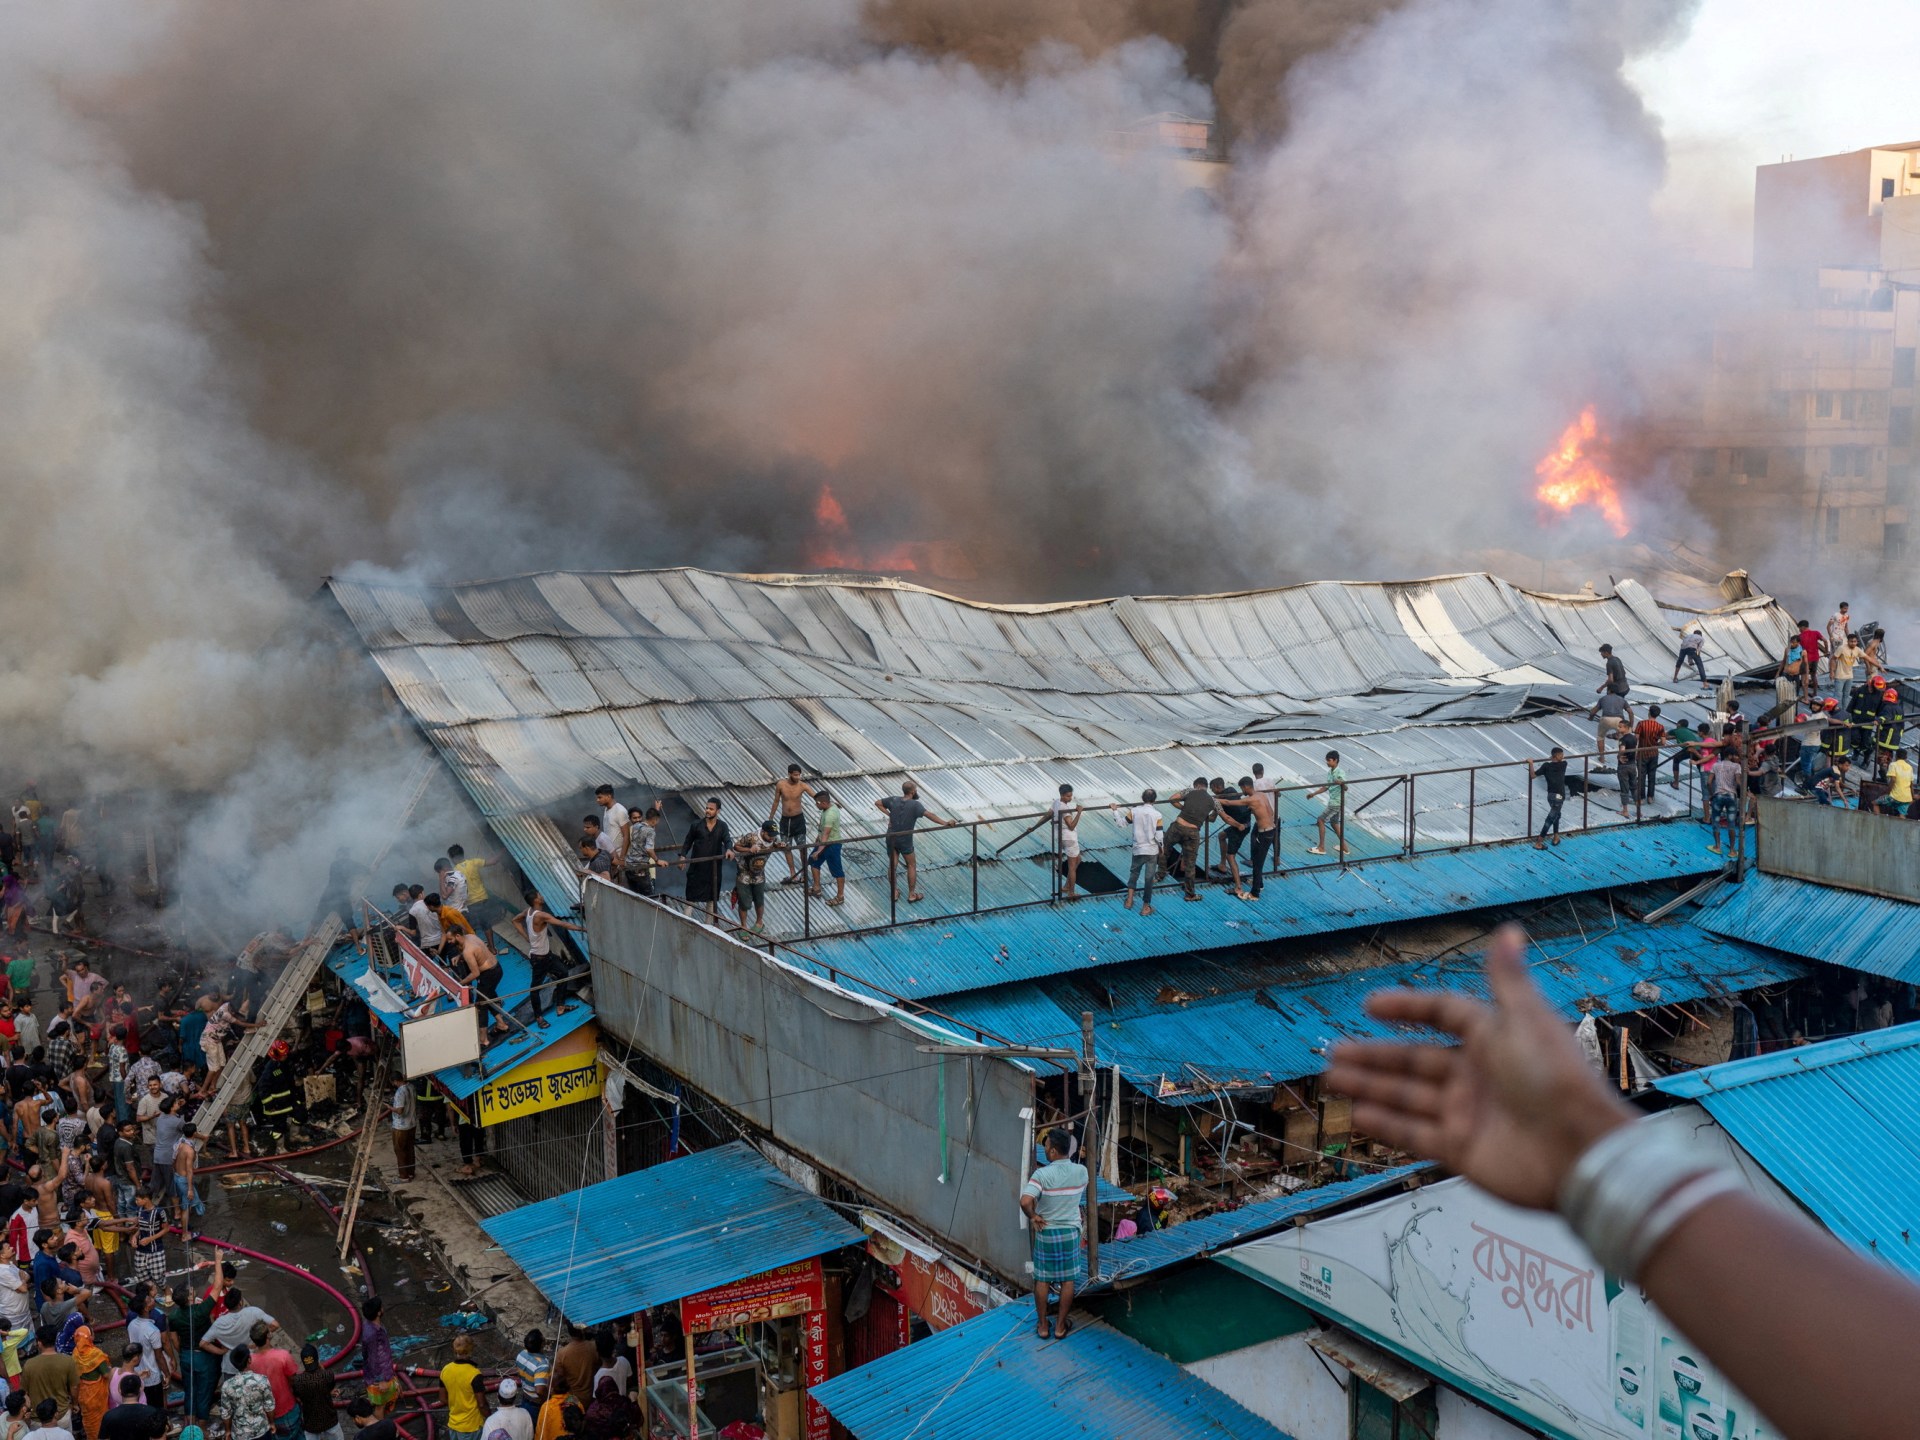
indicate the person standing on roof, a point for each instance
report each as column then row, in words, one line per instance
column 1236, row 818
column 642, row 858
column 1263, row 818
column 1196, row 806
column 1143, row 821
column 616, row 821
column 1064, row 817
column 826, row 851
column 789, row 808
column 1889, row 728
column 1839, row 631
column 452, row 886
column 703, row 853
column 750, row 853
column 1613, row 716
column 540, row 923
column 1616, row 681
column 1693, row 640
column 1554, row 771
column 903, row 812
column 425, row 911
column 1053, row 1199
column 1630, row 773
column 1333, row 807
column 1649, row 736
column 483, row 907
column 1845, row 664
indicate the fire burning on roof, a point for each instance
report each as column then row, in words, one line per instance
column 834, row 546
column 1572, row 474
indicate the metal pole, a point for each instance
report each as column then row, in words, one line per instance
column 893, row 887
column 1529, row 802
column 693, row 1394
column 1472, row 775
column 1089, row 1149
column 806, row 895
column 975, row 827
column 1586, row 788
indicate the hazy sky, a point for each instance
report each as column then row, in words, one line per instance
column 1759, row 80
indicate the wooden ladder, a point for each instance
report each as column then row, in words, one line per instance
column 363, row 1153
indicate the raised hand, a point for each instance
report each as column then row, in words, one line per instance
column 1511, row 1106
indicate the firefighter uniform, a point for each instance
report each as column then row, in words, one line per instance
column 276, row 1102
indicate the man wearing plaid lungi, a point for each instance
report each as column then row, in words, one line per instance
column 149, row 1236
column 1052, row 1198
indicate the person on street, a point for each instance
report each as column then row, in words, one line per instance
column 460, row 1391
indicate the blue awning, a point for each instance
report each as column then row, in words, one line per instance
column 1837, row 1125
column 501, row 1055
column 668, row 1232
column 991, row 1378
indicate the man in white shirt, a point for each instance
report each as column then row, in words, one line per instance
column 426, row 919
column 1066, row 836
column 1144, row 821
column 16, row 1305
column 452, row 885
column 509, row 1419
column 614, row 822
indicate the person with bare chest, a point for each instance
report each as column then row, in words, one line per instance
column 789, row 812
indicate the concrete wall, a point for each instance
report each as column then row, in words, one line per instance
column 1839, row 847
column 834, row 1079
column 1284, row 1382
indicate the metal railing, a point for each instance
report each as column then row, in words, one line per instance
column 999, row 863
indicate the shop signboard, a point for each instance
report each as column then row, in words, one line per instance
column 563, row 1074
column 919, row 1278
column 813, row 1371
column 796, row 1289
column 427, row 978
column 1507, row 1305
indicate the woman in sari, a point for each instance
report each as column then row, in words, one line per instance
column 90, row 1395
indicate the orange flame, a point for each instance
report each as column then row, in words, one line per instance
column 1570, row 475
column 832, row 547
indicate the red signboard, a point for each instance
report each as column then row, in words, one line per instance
column 932, row 1290
column 813, row 1371
column 797, row 1289
column 427, row 978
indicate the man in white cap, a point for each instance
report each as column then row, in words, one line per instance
column 508, row 1420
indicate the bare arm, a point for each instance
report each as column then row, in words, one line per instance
column 1515, row 1104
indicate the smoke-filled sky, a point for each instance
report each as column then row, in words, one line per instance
column 462, row 287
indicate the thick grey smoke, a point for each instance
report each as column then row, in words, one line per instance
column 465, row 286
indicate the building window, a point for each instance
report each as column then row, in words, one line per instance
column 1903, row 366
column 1823, row 404
column 1886, row 187
column 1862, row 461
column 1881, row 299
column 1779, row 405
column 1893, row 541
column 1899, row 484
column 1751, row 462
column 1705, row 463
column 1833, row 525
column 1900, row 425
column 1375, row 1415
column 1848, row 403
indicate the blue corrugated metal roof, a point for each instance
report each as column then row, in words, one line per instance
column 991, row 1378
column 1838, row 1126
column 1186, row 1027
column 1157, row 1249
column 1820, row 922
column 500, row 1055
column 970, row 952
column 667, row 1232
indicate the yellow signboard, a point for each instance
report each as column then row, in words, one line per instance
column 545, row 1082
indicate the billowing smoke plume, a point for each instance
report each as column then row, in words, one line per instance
column 465, row 286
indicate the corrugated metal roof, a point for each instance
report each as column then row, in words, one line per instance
column 1124, row 1260
column 695, row 669
column 1187, row 1027
column 991, row 1378
column 968, row 952
column 1819, row 922
column 1837, row 1124
column 664, row 1233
